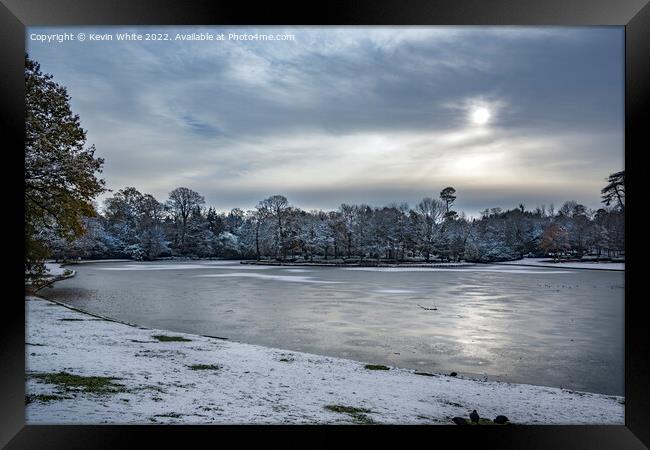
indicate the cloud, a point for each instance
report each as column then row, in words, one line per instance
column 345, row 114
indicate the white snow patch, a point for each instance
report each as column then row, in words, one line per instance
column 54, row 269
column 253, row 384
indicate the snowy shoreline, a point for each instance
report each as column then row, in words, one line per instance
column 545, row 262
column 199, row 379
column 379, row 264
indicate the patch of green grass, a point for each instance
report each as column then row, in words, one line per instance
column 204, row 367
column 42, row 398
column 483, row 421
column 165, row 338
column 376, row 367
column 346, row 409
column 95, row 385
column 358, row 414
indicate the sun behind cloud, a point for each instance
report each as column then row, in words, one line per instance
column 480, row 115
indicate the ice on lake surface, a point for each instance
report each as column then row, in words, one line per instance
column 263, row 276
column 545, row 326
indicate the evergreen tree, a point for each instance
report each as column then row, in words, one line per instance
column 615, row 190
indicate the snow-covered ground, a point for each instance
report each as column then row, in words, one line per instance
column 241, row 383
column 548, row 262
column 54, row 269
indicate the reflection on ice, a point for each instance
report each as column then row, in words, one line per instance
column 290, row 279
column 394, row 291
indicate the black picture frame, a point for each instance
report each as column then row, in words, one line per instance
column 15, row 15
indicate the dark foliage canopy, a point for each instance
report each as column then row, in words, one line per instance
column 60, row 172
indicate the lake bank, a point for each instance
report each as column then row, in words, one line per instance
column 156, row 376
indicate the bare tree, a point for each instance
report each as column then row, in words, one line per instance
column 181, row 202
column 428, row 213
column 277, row 206
column 348, row 220
column 257, row 218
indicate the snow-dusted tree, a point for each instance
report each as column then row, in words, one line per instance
column 459, row 233
column 153, row 243
column 261, row 227
column 229, row 245
column 199, row 240
column 60, row 172
column 428, row 215
column 386, row 231
column 364, row 228
column 233, row 220
column 492, row 238
column 122, row 212
column 136, row 221
column 334, row 231
column 347, row 222
column 150, row 212
column 403, row 229
column 180, row 204
column 277, row 207
column 95, row 242
column 216, row 221
column 311, row 234
column 579, row 230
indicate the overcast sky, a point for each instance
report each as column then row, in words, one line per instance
column 506, row 115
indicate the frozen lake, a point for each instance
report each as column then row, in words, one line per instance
column 546, row 326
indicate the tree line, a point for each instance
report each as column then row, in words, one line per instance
column 138, row 226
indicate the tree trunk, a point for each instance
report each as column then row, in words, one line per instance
column 257, row 242
column 618, row 196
